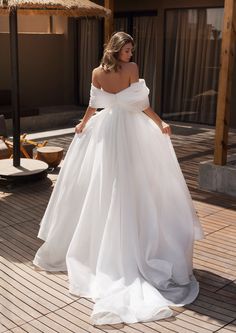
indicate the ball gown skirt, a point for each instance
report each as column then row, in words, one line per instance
column 120, row 219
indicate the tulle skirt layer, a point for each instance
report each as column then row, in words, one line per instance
column 121, row 221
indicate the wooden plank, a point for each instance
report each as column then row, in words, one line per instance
column 225, row 330
column 211, row 278
column 226, row 266
column 55, row 321
column 157, row 327
column 230, row 328
column 12, row 312
column 207, row 321
column 210, row 312
column 194, row 324
column 27, row 280
column 222, row 247
column 43, row 304
column 213, row 255
column 37, row 326
column 27, row 298
column 24, row 303
column 3, row 329
column 31, row 242
column 229, row 291
column 213, row 303
column 109, row 21
column 21, row 330
column 173, row 327
column 19, row 252
column 225, row 82
column 198, row 264
column 74, row 322
column 6, row 322
column 226, row 300
column 227, row 257
column 213, row 248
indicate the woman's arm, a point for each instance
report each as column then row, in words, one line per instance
column 90, row 111
column 88, row 114
column 165, row 128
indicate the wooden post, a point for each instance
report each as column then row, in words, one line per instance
column 225, row 82
column 15, row 86
column 109, row 21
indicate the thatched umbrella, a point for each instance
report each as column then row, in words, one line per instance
column 54, row 7
column 36, row 7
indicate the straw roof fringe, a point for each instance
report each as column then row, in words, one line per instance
column 54, row 7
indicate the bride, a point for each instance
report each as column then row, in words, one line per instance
column 120, row 220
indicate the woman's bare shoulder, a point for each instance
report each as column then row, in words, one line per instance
column 132, row 68
column 133, row 64
column 97, row 69
column 96, row 74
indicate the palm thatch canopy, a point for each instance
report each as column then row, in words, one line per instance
column 54, row 7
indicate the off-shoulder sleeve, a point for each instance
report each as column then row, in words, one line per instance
column 140, row 94
column 144, row 104
column 92, row 99
column 96, row 99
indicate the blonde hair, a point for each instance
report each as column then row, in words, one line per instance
column 110, row 61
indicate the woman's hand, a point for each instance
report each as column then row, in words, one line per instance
column 79, row 127
column 88, row 114
column 165, row 128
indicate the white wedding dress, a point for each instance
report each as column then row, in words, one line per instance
column 120, row 219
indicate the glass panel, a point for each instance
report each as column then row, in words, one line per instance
column 192, row 60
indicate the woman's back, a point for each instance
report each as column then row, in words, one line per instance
column 112, row 81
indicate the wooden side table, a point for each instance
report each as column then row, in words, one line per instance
column 50, row 154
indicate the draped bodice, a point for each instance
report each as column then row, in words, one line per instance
column 135, row 97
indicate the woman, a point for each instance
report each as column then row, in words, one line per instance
column 120, row 219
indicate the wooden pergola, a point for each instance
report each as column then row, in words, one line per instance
column 109, row 21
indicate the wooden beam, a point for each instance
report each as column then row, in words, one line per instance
column 15, row 86
column 109, row 21
column 225, row 82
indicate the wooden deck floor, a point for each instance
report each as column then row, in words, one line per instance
column 36, row 301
